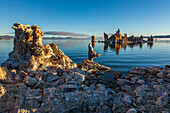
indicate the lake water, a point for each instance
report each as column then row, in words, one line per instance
column 118, row 57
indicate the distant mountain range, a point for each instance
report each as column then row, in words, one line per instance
column 162, row 36
column 57, row 37
column 6, row 37
column 158, row 36
column 63, row 38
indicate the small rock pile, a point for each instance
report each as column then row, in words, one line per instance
column 145, row 89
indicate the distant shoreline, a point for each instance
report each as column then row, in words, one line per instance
column 70, row 38
column 66, row 38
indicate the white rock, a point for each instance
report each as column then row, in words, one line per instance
column 132, row 110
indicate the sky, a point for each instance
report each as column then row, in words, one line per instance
column 88, row 17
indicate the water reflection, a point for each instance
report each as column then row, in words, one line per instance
column 150, row 45
column 140, row 45
column 93, row 43
column 105, row 47
column 77, row 50
column 118, row 46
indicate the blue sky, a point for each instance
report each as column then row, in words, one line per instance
column 89, row 17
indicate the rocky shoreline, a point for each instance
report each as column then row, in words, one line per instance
column 38, row 78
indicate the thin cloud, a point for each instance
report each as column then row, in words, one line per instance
column 62, row 33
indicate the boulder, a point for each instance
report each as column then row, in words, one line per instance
column 30, row 81
column 132, row 110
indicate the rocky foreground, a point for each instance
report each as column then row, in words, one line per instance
column 38, row 78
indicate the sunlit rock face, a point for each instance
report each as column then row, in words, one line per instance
column 29, row 54
column 2, row 74
column 116, row 37
column 118, row 34
column 5, row 76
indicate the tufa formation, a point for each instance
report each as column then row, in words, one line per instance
column 117, row 37
column 93, row 38
column 150, row 39
column 29, row 54
column 91, row 51
column 41, row 78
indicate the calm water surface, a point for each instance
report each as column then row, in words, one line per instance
column 118, row 57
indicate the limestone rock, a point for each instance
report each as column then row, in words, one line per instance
column 64, row 60
column 93, row 38
column 132, row 110
column 13, row 72
column 127, row 99
column 150, row 39
column 125, row 38
column 5, row 75
column 141, row 38
column 30, row 81
column 117, row 37
column 29, row 54
column 22, row 74
column 91, row 52
column 12, row 96
column 14, row 102
column 100, row 87
column 2, row 73
column 33, row 98
column 162, row 100
column 23, row 111
column 105, row 36
column 87, row 64
column 2, row 91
